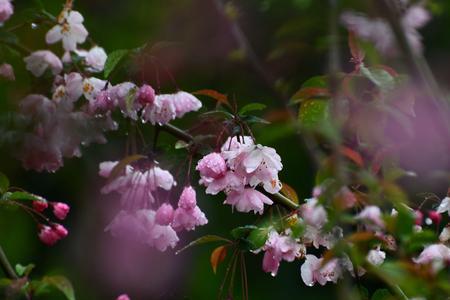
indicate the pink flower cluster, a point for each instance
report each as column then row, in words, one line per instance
column 50, row 234
column 380, row 33
column 140, row 220
column 238, row 169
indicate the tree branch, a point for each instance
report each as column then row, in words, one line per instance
column 6, row 265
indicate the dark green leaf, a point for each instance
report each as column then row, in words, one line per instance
column 4, row 183
column 24, row 196
column 114, row 58
column 62, row 284
column 243, row 231
column 381, row 294
column 204, row 240
column 258, row 237
column 251, row 107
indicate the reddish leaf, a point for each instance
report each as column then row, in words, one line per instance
column 352, row 155
column 308, row 93
column 117, row 170
column 363, row 236
column 357, row 53
column 219, row 97
column 289, row 192
column 217, row 256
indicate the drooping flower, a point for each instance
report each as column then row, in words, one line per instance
column 39, row 61
column 211, row 166
column 312, row 270
column 70, row 90
column 70, row 30
column 162, row 111
column 313, row 213
column 146, row 95
column 247, row 200
column 371, row 214
column 95, row 59
column 376, row 257
column 185, row 102
column 6, row 11
column 188, row 215
column 280, row 247
column 438, row 255
column 92, row 87
column 50, row 235
column 164, row 214
column 7, row 72
column 444, row 207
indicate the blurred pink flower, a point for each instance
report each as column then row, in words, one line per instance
column 371, row 214
column 444, row 206
column 164, row 214
column 123, row 297
column 184, row 103
column 6, row 10
column 7, row 72
column 39, row 61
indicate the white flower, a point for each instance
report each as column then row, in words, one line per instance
column 437, row 255
column 312, row 270
column 376, row 257
column 70, row 30
column 40, row 60
column 95, row 59
column 71, row 90
column 445, row 234
column 162, row 111
column 444, row 206
column 92, row 86
column 372, row 214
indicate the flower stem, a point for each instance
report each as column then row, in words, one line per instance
column 183, row 135
column 6, row 265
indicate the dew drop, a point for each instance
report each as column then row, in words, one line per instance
column 428, row 221
column 34, row 26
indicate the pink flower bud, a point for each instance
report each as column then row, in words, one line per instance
column 435, row 217
column 40, row 205
column 60, row 210
column 164, row 214
column 103, row 102
column 7, row 72
column 60, row 230
column 48, row 236
column 123, row 297
column 146, row 95
column 212, row 166
column 419, row 217
column 188, row 198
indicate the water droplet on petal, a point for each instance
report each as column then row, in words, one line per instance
column 34, row 26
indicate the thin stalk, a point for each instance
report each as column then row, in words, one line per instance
column 6, row 265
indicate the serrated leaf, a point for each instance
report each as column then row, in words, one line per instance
column 289, row 192
column 219, row 97
column 62, row 284
column 204, row 240
column 252, row 107
column 313, row 112
column 117, row 170
column 4, row 183
column 113, row 60
column 217, row 256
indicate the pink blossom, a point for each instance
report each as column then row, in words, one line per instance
column 127, row 225
column 70, row 30
column 235, row 149
column 125, row 96
column 229, row 182
column 162, row 237
column 106, row 167
column 312, row 271
column 146, row 95
column 162, row 111
column 60, row 210
column 211, row 166
column 71, row 90
column 48, row 235
column 123, row 297
column 371, row 214
column 313, row 213
column 280, row 247
column 164, row 214
column 103, row 102
column 7, row 72
column 188, row 215
column 438, row 255
column 39, row 61
column 6, row 10
column 92, row 87
column 380, row 33
column 248, row 200
column 444, row 206
column 184, row 103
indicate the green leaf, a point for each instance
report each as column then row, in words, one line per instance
column 204, row 240
column 62, row 284
column 24, row 196
column 114, row 58
column 130, row 98
column 251, row 107
column 181, row 144
column 316, row 82
column 4, row 183
column 258, row 237
column 381, row 78
column 242, row 231
column 381, row 294
column 313, row 112
column 24, row 270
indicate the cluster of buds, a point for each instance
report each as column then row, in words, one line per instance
column 51, row 232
